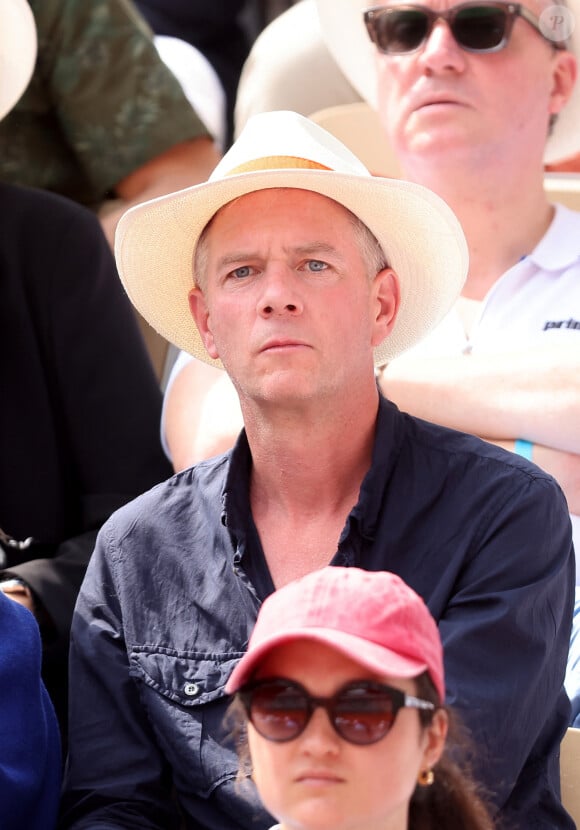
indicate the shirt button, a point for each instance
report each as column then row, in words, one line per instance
column 191, row 689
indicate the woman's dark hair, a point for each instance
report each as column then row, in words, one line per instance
column 452, row 802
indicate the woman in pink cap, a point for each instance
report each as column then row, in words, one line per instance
column 364, row 648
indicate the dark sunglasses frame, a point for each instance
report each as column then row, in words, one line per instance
column 377, row 18
column 354, row 700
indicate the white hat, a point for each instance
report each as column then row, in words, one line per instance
column 17, row 51
column 345, row 34
column 420, row 235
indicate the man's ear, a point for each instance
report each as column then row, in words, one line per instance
column 386, row 299
column 564, row 75
column 200, row 313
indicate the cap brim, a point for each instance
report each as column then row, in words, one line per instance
column 419, row 233
column 368, row 655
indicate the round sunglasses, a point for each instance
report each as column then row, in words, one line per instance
column 361, row 712
column 477, row 27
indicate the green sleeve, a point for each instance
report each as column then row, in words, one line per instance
column 100, row 105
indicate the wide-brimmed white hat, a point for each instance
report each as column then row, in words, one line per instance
column 420, row 235
column 17, row 51
column 343, row 29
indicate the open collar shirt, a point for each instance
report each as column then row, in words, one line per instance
column 176, row 580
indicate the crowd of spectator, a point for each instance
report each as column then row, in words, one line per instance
column 369, row 373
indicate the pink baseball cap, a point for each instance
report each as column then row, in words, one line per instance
column 372, row 617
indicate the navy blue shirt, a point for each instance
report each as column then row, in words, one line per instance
column 170, row 599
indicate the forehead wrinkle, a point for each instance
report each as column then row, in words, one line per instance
column 316, row 247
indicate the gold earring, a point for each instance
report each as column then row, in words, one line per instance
column 426, row 778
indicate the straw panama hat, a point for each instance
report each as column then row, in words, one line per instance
column 17, row 51
column 344, row 32
column 420, row 235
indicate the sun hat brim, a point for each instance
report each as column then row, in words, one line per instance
column 18, row 46
column 371, row 656
column 419, row 233
column 344, row 32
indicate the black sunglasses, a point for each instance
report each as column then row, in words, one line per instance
column 361, row 712
column 477, row 27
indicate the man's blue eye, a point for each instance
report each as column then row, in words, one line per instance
column 316, row 265
column 241, row 272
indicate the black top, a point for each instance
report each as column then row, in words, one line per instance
column 80, row 404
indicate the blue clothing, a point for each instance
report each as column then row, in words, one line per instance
column 30, row 764
column 173, row 589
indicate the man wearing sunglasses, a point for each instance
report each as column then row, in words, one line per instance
column 476, row 26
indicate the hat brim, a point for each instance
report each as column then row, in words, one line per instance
column 344, row 32
column 420, row 235
column 369, row 655
column 17, row 51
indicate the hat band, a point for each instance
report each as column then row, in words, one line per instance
column 276, row 163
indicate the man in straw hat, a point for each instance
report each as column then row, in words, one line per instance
column 484, row 153
column 476, row 122
column 302, row 273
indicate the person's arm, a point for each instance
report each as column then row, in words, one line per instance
column 183, row 165
column 563, row 466
column 532, row 394
column 202, row 415
column 505, row 633
column 49, row 587
column 122, row 114
column 116, row 776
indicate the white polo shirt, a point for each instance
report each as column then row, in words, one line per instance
column 539, row 297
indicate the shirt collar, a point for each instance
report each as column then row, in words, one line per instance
column 388, row 438
column 559, row 247
column 236, row 491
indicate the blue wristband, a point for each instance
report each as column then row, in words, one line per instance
column 524, row 448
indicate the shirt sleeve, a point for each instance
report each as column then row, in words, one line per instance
column 116, row 102
column 135, row 789
column 506, row 633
